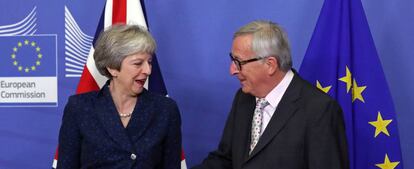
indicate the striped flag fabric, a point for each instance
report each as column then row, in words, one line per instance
column 119, row 12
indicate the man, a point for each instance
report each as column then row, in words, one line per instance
column 277, row 119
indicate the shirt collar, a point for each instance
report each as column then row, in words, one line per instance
column 277, row 92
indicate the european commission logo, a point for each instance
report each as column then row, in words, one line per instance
column 28, row 56
column 20, row 48
column 28, row 75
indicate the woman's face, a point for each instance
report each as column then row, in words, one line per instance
column 135, row 69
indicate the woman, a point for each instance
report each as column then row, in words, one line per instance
column 123, row 125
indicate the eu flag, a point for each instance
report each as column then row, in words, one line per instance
column 342, row 61
column 28, row 56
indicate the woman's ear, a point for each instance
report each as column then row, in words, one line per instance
column 113, row 72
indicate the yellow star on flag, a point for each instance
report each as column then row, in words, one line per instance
column 387, row 163
column 20, row 68
column 357, row 92
column 13, row 56
column 33, row 44
column 26, row 42
column 37, row 63
column 347, row 79
column 380, row 125
column 15, row 63
column 19, row 44
column 33, row 67
column 324, row 89
column 39, row 56
column 37, row 49
column 26, row 70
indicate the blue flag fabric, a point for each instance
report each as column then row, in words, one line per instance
column 156, row 81
column 342, row 61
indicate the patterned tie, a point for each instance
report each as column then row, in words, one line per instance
column 257, row 122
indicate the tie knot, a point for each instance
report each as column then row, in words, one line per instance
column 261, row 103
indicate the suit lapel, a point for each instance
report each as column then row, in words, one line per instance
column 286, row 109
column 141, row 118
column 108, row 116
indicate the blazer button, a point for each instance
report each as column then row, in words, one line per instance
column 133, row 156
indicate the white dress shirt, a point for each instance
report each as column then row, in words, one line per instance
column 274, row 98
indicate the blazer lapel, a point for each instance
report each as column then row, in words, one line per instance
column 286, row 108
column 141, row 118
column 108, row 116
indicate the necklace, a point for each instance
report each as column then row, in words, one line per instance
column 125, row 115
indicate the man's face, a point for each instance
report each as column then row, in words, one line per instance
column 251, row 75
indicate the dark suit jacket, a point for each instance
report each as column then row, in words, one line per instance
column 306, row 132
column 92, row 134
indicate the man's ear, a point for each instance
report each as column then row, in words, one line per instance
column 272, row 63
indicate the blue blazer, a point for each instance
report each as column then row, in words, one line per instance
column 92, row 134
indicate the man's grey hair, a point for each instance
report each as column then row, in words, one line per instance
column 119, row 41
column 269, row 39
